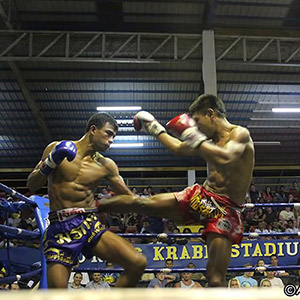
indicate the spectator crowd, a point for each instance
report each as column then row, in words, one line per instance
column 259, row 220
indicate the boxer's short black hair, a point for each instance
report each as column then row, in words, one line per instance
column 100, row 119
column 206, row 101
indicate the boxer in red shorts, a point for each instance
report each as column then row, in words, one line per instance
column 229, row 153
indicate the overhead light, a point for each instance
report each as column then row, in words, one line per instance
column 274, row 126
column 124, row 121
column 279, row 102
column 267, row 143
column 118, row 108
column 127, row 145
column 286, row 110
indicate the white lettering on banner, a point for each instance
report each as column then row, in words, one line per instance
column 288, row 248
column 81, row 259
column 96, row 259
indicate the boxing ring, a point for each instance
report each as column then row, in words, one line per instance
column 41, row 209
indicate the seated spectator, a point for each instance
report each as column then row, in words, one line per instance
column 233, row 283
column 284, row 215
column 265, row 283
column 169, row 264
column 274, row 263
column 282, row 195
column 159, row 281
column 135, row 192
column 291, row 227
column 291, row 198
column 147, row 277
column 145, row 226
column 275, row 281
column 276, row 227
column 110, row 277
column 271, row 215
column 254, row 194
column 267, row 195
column 249, row 218
column 97, row 283
column 108, row 188
column 132, row 219
column 261, row 215
column 150, row 191
column 169, row 226
column 262, row 227
column 246, row 279
column 77, row 279
column 14, row 220
column 295, row 191
column 104, row 194
column 258, row 274
column 196, row 276
column 187, row 282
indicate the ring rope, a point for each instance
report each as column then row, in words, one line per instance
column 189, row 235
column 187, row 270
column 18, row 277
column 251, row 205
column 13, row 232
column 15, row 194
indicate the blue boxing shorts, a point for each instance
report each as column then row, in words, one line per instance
column 71, row 232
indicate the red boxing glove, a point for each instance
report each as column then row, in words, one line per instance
column 184, row 128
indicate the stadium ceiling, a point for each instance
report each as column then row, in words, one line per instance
column 59, row 60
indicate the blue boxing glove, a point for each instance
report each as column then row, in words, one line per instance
column 65, row 149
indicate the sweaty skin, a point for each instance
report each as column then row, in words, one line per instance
column 72, row 184
column 232, row 179
column 229, row 156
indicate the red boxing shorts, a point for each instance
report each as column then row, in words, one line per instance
column 217, row 213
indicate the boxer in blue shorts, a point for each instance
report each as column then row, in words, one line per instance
column 74, row 169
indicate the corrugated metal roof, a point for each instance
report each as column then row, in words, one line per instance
column 251, row 80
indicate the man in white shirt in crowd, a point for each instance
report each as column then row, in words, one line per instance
column 274, row 263
column 187, row 282
column 275, row 281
